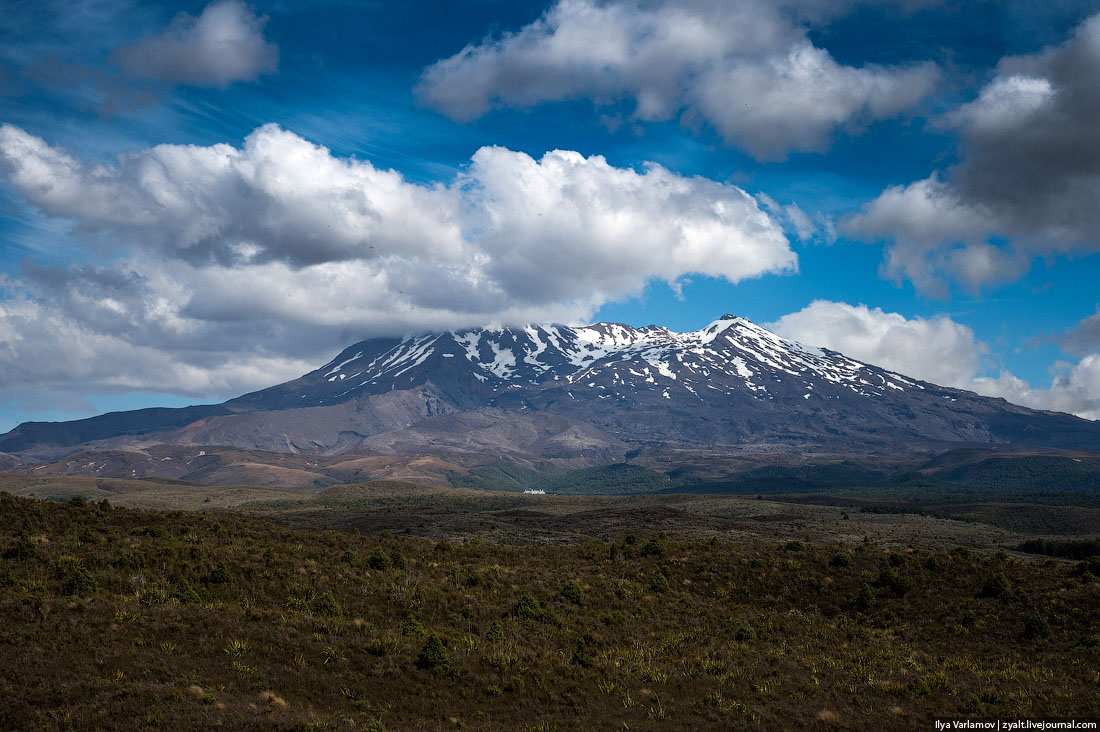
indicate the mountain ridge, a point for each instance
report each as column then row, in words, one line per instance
column 558, row 391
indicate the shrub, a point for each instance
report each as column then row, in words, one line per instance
column 220, row 575
column 656, row 546
column 379, row 559
column 613, row 618
column 582, row 655
column 183, row 592
column 746, row 633
column 411, row 627
column 841, row 559
column 896, row 560
column 794, row 546
column 659, row 584
column 866, row 599
column 326, row 605
column 495, row 632
column 433, row 655
column 1068, row 549
column 1036, row 626
column 997, row 586
column 890, row 579
column 21, row 548
column 1090, row 566
column 573, row 592
column 528, row 608
column 79, row 582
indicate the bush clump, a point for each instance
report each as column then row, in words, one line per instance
column 21, row 548
column 867, row 598
column 891, row 580
column 529, row 608
column 79, row 582
column 184, row 593
column 997, row 586
column 220, row 575
column 411, row 627
column 379, row 559
column 582, row 652
column 325, row 605
column 495, row 633
column 573, row 592
column 1036, row 626
column 1088, row 568
column 433, row 655
column 656, row 545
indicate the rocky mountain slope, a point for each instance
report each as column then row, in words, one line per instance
column 561, row 392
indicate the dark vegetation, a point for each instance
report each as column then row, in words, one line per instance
column 1062, row 502
column 614, row 479
column 1067, row 549
column 1038, row 474
column 123, row 619
column 1025, row 473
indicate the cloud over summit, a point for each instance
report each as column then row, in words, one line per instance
column 280, row 250
column 939, row 350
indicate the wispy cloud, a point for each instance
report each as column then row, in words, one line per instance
column 225, row 43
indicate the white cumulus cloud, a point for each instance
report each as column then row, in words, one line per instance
column 746, row 69
column 216, row 269
column 933, row 349
column 1026, row 184
column 939, row 350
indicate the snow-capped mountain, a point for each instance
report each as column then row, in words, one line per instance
column 619, row 362
column 558, row 390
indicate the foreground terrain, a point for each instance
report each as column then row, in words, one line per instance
column 115, row 618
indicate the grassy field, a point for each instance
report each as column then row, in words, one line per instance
column 114, row 618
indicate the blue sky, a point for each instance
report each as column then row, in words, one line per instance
column 196, row 198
